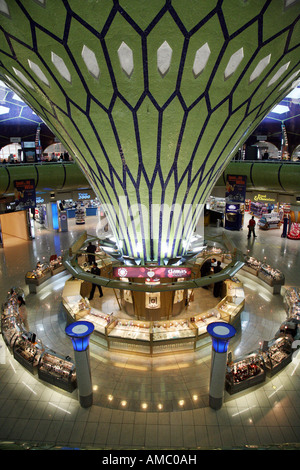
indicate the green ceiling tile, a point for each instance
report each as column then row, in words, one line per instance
column 192, row 132
column 246, row 46
column 171, row 126
column 240, row 12
column 17, row 23
column 46, row 14
column 192, row 86
column 81, row 39
column 277, row 17
column 295, row 37
column 163, row 85
column 272, row 53
column 124, row 125
column 72, row 85
column 4, row 46
column 143, row 15
column 130, row 85
column 94, row 13
column 147, row 117
column 191, row 11
column 105, row 133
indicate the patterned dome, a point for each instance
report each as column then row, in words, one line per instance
column 151, row 98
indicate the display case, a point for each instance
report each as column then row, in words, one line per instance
column 77, row 306
column 173, row 336
column 129, row 336
column 11, row 327
column 278, row 354
column 252, row 265
column 271, row 276
column 40, row 274
column 100, row 320
column 58, row 371
column 130, row 329
column 34, row 279
column 80, row 216
column 56, row 265
column 202, row 320
column 28, row 352
column 230, row 307
column 291, row 302
column 151, row 337
column 10, row 333
column 245, row 372
column 269, row 221
column 173, row 330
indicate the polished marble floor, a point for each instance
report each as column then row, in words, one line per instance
column 148, row 403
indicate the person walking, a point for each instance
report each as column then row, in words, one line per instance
column 95, row 270
column 251, row 227
column 91, row 249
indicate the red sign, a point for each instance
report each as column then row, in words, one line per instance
column 141, row 271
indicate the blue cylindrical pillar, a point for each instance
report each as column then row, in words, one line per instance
column 80, row 332
column 221, row 333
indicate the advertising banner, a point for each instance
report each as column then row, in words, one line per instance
column 24, row 194
column 236, row 188
column 144, row 272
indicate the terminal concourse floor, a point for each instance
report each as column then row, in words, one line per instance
column 142, row 402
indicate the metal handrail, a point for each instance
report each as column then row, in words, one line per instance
column 71, row 264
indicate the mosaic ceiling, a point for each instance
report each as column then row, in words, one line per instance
column 151, row 98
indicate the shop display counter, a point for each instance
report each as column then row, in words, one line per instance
column 129, row 335
column 245, row 373
column 201, row 321
column 291, row 302
column 44, row 274
column 11, row 335
column 36, row 278
column 10, row 326
column 28, row 353
column 252, row 265
column 271, row 276
column 58, row 371
column 101, row 321
column 173, row 336
column 156, row 336
column 56, row 265
column 278, row 354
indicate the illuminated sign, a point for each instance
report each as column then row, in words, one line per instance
column 84, row 196
column 264, row 198
column 150, row 273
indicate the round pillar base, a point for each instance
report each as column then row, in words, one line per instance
column 215, row 403
column 86, row 401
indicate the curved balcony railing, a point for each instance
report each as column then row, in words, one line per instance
column 268, row 175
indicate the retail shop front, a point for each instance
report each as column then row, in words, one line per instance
column 275, row 211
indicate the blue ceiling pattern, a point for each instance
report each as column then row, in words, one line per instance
column 220, row 68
